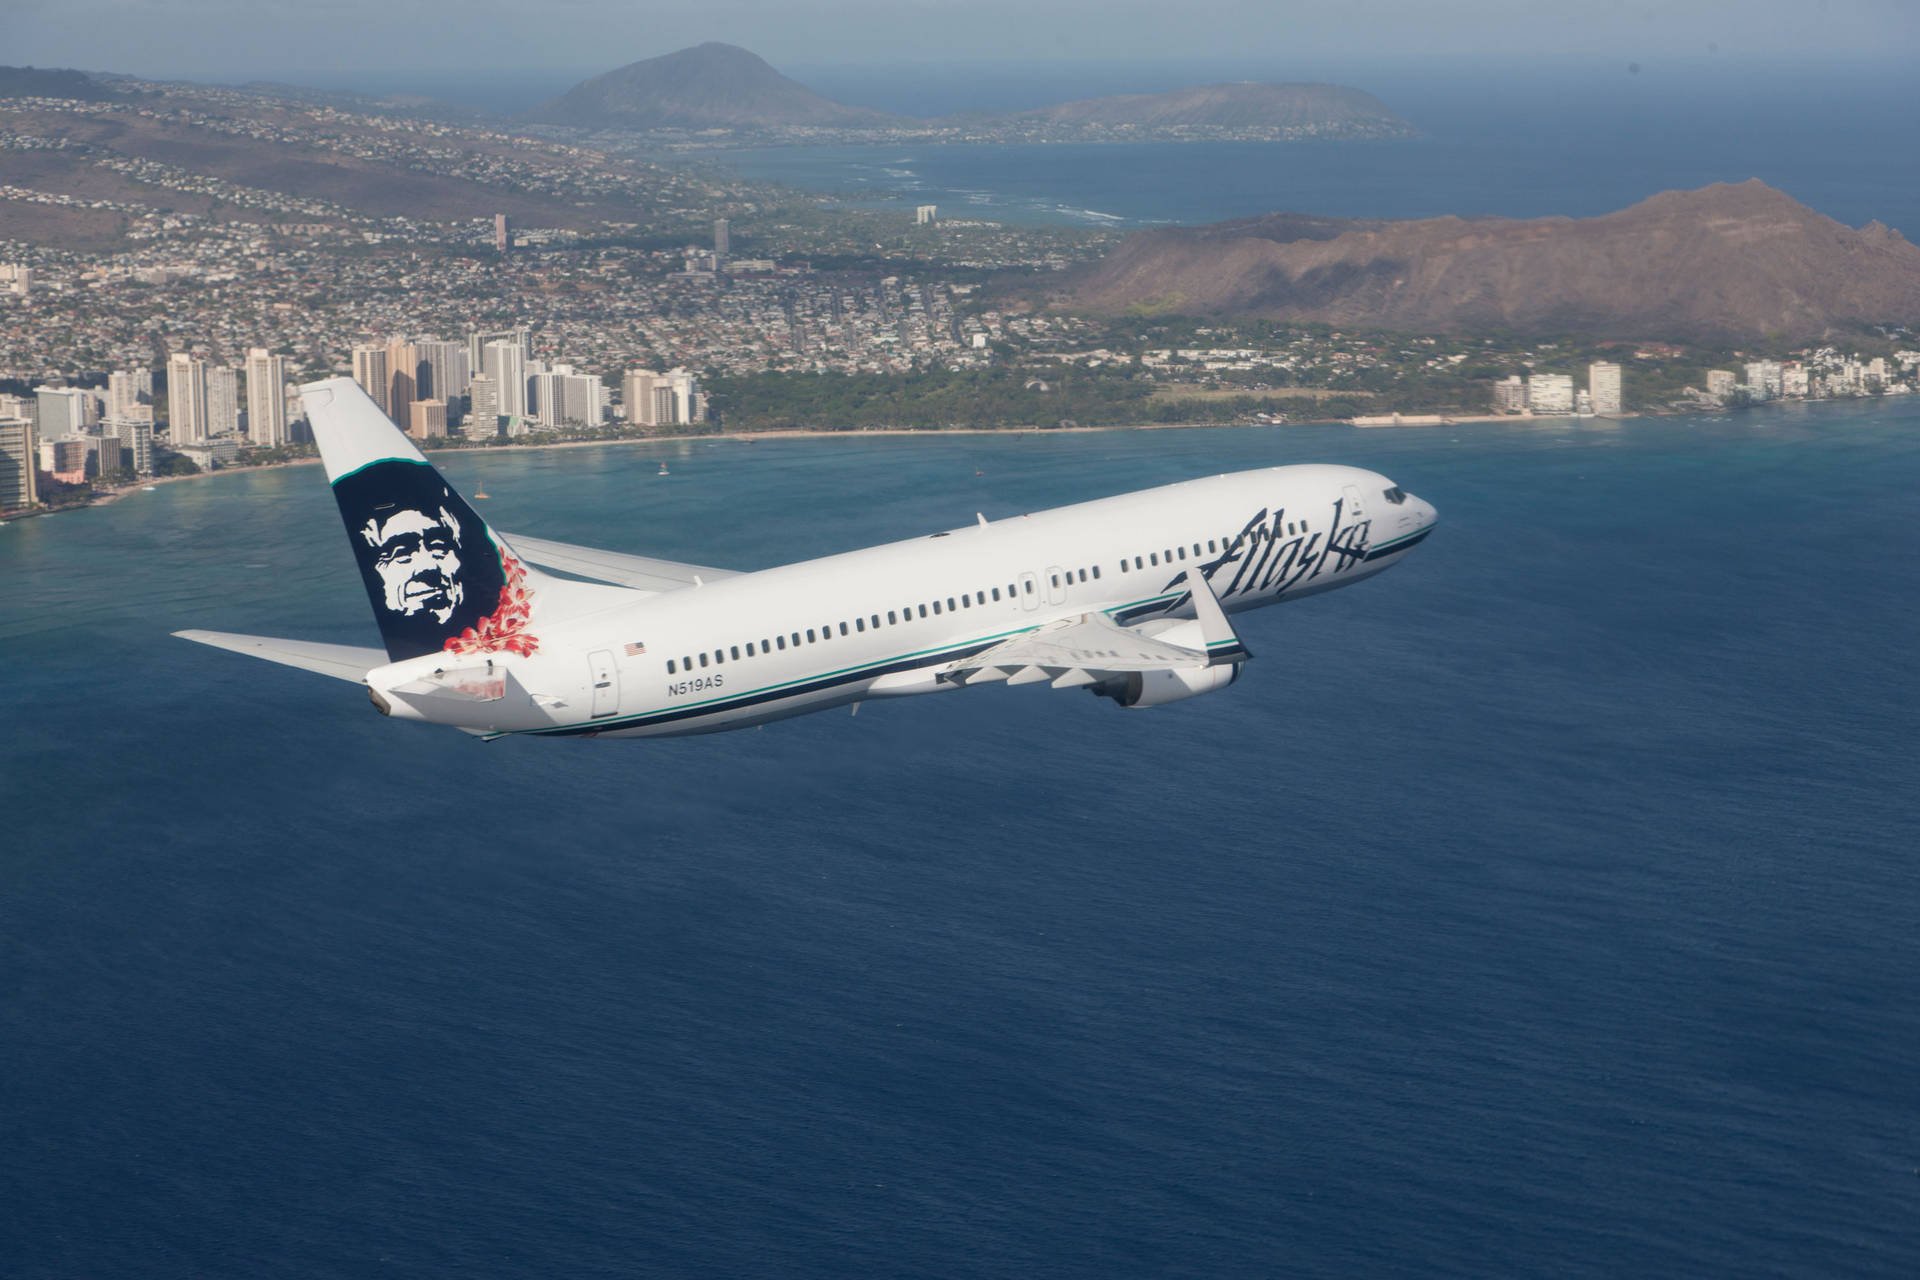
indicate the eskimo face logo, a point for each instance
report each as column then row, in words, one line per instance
column 417, row 556
column 434, row 575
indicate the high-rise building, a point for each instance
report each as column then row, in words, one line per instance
column 136, row 436
column 19, row 460
column 1510, row 395
column 186, row 399
column 722, row 236
column 1603, row 384
column 1720, row 383
column 1763, row 379
column 110, row 456
column 370, row 371
column 1550, row 392
column 403, row 381
column 483, row 408
column 506, row 364
column 223, row 400
column 502, row 236
column 267, row 398
column 636, row 393
column 444, row 371
column 925, row 214
column 427, row 419
column 62, row 411
column 127, row 390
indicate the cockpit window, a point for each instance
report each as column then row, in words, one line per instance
column 1396, row 495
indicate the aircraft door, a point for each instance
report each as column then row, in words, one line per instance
column 1029, row 591
column 1057, row 580
column 605, row 678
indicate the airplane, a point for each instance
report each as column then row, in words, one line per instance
column 1128, row 597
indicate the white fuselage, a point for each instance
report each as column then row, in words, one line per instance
column 878, row 622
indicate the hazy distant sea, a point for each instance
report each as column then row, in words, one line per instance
column 1514, row 137
column 1548, row 906
column 1575, row 139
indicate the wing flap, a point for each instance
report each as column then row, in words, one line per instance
column 1075, row 651
column 341, row 661
column 642, row 573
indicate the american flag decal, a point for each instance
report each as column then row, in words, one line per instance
column 635, row 649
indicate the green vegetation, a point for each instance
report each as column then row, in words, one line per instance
column 939, row 399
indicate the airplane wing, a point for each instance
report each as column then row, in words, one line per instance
column 1073, row 651
column 1092, row 648
column 341, row 661
column 643, row 573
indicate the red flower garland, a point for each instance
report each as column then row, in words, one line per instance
column 506, row 627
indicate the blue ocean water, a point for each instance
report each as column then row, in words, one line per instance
column 1546, row 906
column 1517, row 138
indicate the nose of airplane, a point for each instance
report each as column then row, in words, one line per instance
column 1423, row 509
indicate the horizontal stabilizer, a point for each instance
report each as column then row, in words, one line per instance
column 642, row 573
column 341, row 661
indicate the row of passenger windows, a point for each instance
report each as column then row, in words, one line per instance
column 872, row 622
column 1058, row 578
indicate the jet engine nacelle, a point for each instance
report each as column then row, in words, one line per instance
column 1154, row 688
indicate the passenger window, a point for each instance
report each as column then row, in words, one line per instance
column 1029, row 587
column 1056, row 579
column 1123, row 566
column 809, row 635
column 859, row 624
column 765, row 647
column 1210, row 547
column 796, row 639
column 1154, row 557
column 1138, row 565
column 686, row 663
column 949, row 604
column 669, row 666
column 996, row 595
column 719, row 656
column 781, row 641
column 966, row 602
column 876, row 622
column 1289, row 528
column 979, row 597
column 843, row 628
column 1083, row 575
column 936, row 608
column 891, row 620
column 1096, row 573
column 1303, row 526
column 735, row 651
column 923, row 611
column 749, row 648
column 703, row 659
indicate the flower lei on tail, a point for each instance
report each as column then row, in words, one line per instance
column 506, row 627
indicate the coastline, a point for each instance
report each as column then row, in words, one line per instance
column 109, row 496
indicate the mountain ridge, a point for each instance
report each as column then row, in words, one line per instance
column 1726, row 261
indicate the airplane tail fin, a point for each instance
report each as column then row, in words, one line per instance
column 437, row 576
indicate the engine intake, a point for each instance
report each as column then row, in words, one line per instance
column 1156, row 688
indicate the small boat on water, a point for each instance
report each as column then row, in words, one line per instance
column 146, row 488
column 481, row 493
column 664, row 471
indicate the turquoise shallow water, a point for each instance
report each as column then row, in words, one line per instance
column 1547, row 905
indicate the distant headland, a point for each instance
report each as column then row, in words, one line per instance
column 721, row 91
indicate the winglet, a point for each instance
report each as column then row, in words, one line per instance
column 1223, row 645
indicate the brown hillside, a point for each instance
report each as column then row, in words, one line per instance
column 1726, row 261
